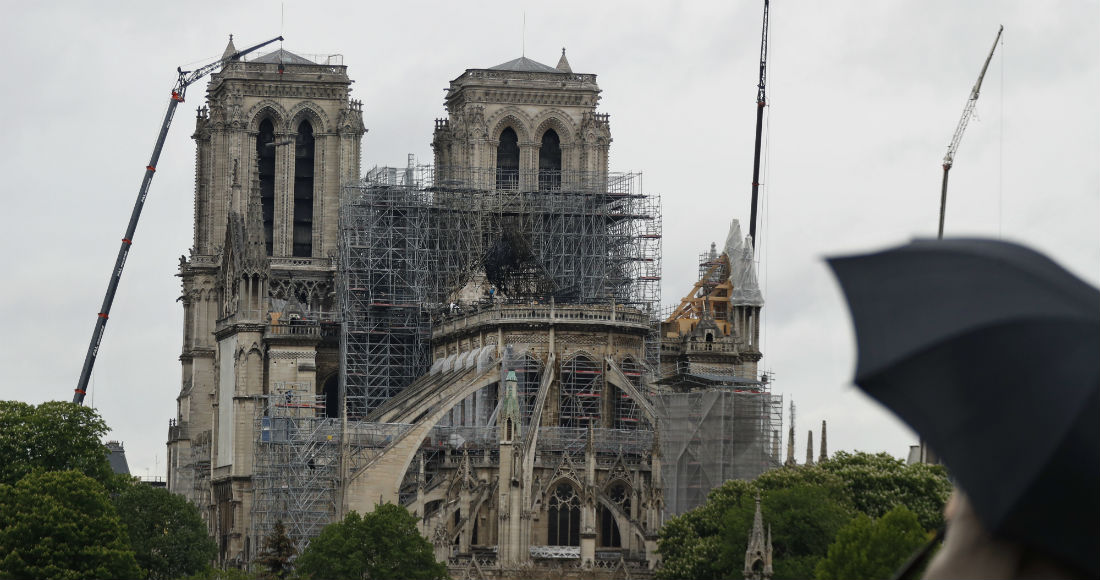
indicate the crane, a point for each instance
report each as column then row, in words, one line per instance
column 760, row 101
column 949, row 159
column 186, row 78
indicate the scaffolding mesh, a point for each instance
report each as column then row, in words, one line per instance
column 416, row 240
column 710, row 436
column 296, row 465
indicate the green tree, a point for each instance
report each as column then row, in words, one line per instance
column 867, row 548
column 803, row 519
column 877, row 483
column 61, row 524
column 803, row 507
column 710, row 541
column 381, row 544
column 278, row 552
column 53, row 436
column 165, row 530
column 690, row 544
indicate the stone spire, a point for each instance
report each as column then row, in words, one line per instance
column 563, row 63
column 824, row 447
column 810, row 447
column 758, row 556
column 230, row 50
column 790, row 448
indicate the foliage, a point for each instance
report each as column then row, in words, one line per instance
column 166, row 532
column 61, row 524
column 867, row 548
column 54, row 436
column 278, row 552
column 381, row 544
column 803, row 519
column 804, row 506
column 875, row 484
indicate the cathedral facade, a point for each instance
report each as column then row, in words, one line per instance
column 477, row 340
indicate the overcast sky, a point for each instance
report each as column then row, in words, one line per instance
column 863, row 100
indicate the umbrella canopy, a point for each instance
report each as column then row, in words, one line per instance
column 991, row 351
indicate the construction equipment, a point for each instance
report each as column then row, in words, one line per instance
column 760, row 101
column 949, row 159
column 186, row 78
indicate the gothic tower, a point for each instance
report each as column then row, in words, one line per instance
column 518, row 120
column 277, row 138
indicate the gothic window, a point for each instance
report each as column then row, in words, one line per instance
column 265, row 153
column 609, row 528
column 580, row 396
column 508, row 160
column 550, row 162
column 303, row 191
column 564, row 517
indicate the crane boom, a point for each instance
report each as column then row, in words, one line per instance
column 968, row 111
column 760, row 101
column 186, row 78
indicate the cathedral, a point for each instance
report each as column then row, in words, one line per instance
column 479, row 339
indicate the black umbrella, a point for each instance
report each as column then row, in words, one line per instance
column 991, row 352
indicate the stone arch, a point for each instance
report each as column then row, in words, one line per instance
column 266, row 109
column 308, row 110
column 510, row 117
column 560, row 122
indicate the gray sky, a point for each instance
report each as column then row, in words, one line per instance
column 863, row 100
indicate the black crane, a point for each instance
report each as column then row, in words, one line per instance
column 186, row 78
column 760, row 102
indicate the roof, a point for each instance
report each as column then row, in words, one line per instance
column 524, row 64
column 283, row 56
column 117, row 458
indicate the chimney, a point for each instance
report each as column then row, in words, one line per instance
column 809, row 447
column 824, row 447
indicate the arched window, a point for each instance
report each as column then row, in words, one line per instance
column 303, row 191
column 550, row 162
column 508, row 160
column 265, row 153
column 564, row 517
column 609, row 528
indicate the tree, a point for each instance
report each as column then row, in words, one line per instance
column 278, row 552
column 381, row 544
column 165, row 531
column 875, row 484
column 800, row 505
column 54, row 436
column 867, row 548
column 61, row 524
column 803, row 519
column 805, row 507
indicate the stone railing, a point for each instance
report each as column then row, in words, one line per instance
column 280, row 262
column 556, row 552
column 303, row 330
column 518, row 313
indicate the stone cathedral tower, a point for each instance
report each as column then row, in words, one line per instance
column 277, row 138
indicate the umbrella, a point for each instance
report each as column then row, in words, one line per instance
column 991, row 351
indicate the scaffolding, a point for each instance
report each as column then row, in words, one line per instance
column 296, row 465
column 418, row 240
column 710, row 436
